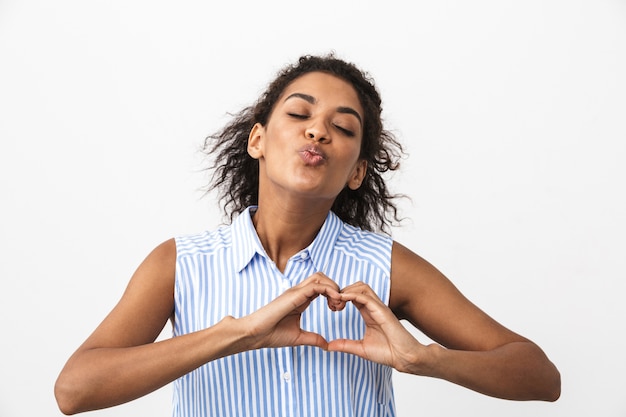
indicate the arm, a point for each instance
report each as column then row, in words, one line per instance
column 473, row 351
column 120, row 361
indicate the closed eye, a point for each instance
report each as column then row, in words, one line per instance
column 345, row 131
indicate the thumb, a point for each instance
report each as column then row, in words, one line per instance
column 312, row 339
column 354, row 347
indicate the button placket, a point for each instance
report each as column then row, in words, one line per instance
column 287, row 380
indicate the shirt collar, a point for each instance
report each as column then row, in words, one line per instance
column 246, row 243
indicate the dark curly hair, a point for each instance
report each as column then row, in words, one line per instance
column 236, row 174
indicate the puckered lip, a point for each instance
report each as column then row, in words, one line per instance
column 312, row 154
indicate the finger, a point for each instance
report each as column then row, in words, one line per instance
column 325, row 286
column 312, row 339
column 358, row 287
column 314, row 289
column 295, row 299
column 361, row 297
column 360, row 293
column 372, row 309
column 336, row 304
column 354, row 347
column 313, row 286
column 319, row 284
column 352, row 286
column 320, row 278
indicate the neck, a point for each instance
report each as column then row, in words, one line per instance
column 285, row 229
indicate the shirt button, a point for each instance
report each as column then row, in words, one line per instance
column 303, row 255
column 286, row 376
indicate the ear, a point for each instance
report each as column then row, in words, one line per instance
column 255, row 142
column 356, row 178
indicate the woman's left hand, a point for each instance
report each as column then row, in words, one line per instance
column 386, row 341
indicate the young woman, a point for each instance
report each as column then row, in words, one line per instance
column 294, row 308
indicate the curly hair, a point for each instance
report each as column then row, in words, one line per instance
column 236, row 174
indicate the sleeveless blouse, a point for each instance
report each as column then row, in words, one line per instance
column 227, row 272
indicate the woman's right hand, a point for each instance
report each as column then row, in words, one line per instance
column 278, row 323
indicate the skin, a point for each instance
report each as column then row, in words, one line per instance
column 307, row 152
column 293, row 193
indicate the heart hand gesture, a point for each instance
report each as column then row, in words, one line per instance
column 385, row 341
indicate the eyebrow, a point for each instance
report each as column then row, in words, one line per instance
column 342, row 109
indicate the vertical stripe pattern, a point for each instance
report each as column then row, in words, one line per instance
column 227, row 272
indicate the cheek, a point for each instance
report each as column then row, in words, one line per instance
column 281, row 133
column 354, row 150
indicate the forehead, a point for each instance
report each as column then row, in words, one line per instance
column 325, row 88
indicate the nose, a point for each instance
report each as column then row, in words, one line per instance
column 318, row 133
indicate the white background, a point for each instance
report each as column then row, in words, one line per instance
column 513, row 114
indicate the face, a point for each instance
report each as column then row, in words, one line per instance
column 311, row 144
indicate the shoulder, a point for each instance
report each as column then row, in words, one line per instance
column 352, row 236
column 363, row 244
column 206, row 242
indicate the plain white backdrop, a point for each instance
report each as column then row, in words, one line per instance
column 513, row 115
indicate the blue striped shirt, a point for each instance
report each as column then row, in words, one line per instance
column 227, row 272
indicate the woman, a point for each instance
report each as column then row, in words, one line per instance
column 300, row 173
